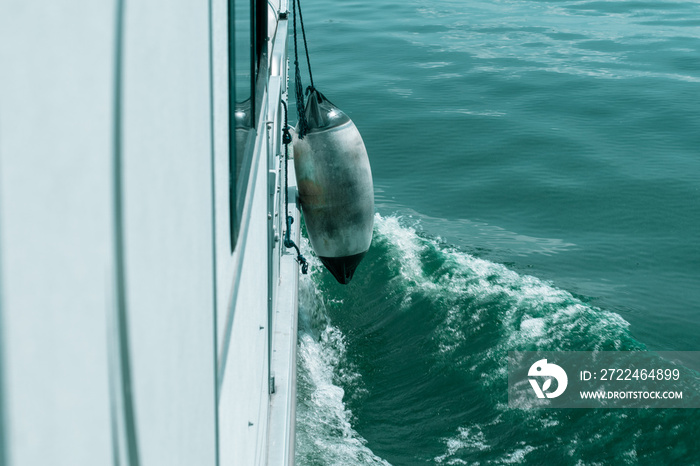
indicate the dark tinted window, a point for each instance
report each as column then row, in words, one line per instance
column 247, row 66
column 241, row 47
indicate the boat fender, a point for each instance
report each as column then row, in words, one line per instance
column 336, row 191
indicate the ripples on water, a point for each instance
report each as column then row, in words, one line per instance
column 558, row 138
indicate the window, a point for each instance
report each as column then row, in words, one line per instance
column 247, row 34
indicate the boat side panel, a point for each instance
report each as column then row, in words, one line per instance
column 57, row 238
column 282, row 412
column 244, row 384
column 56, row 126
column 250, row 434
column 168, row 230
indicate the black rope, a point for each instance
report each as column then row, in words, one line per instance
column 288, row 242
column 298, row 86
column 306, row 47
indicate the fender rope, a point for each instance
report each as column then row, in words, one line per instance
column 298, row 86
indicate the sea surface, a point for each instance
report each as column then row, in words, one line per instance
column 536, row 167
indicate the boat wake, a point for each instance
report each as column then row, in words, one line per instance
column 412, row 356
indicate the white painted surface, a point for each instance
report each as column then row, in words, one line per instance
column 283, row 366
column 168, row 230
column 245, row 376
column 55, row 215
column 56, row 238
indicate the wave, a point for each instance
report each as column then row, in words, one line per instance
column 409, row 363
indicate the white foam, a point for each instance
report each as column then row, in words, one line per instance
column 533, row 327
column 468, row 440
column 536, row 313
column 324, row 431
column 517, row 456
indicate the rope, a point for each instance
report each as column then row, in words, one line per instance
column 298, row 86
column 288, row 243
column 306, row 47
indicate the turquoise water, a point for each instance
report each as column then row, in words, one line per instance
column 537, row 179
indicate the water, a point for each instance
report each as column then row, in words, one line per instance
column 537, row 178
